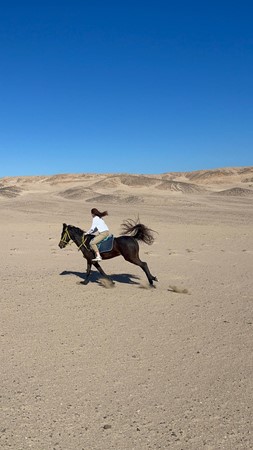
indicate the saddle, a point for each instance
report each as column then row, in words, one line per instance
column 106, row 244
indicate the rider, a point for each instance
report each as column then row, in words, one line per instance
column 98, row 225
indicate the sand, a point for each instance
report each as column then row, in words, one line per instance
column 129, row 367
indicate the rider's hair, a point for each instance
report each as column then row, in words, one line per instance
column 96, row 212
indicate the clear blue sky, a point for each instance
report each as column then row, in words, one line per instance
column 133, row 86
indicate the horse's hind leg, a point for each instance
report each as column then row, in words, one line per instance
column 137, row 261
column 145, row 268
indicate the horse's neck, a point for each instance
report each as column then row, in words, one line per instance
column 76, row 235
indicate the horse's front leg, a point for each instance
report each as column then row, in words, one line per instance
column 99, row 268
column 88, row 271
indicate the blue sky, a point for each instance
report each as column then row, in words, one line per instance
column 125, row 86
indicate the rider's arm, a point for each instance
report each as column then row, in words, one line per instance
column 93, row 227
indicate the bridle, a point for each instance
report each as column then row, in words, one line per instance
column 67, row 235
column 64, row 237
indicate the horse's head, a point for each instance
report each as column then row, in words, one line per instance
column 65, row 236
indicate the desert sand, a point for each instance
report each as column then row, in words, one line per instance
column 129, row 367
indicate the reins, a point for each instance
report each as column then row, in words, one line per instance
column 66, row 234
column 83, row 242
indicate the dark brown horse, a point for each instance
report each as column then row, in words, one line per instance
column 127, row 246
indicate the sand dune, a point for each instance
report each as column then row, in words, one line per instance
column 236, row 191
column 9, row 191
column 75, row 193
column 127, row 180
column 217, row 176
column 179, row 186
column 124, row 366
column 84, row 185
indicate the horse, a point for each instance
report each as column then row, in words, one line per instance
column 125, row 245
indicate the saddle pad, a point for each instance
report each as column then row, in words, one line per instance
column 106, row 245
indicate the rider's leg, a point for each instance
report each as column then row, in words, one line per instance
column 93, row 243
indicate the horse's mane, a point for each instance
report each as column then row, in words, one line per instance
column 76, row 229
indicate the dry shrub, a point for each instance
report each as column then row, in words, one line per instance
column 108, row 284
column 178, row 290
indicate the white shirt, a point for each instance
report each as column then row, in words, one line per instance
column 98, row 224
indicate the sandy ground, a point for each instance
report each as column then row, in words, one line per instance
column 128, row 367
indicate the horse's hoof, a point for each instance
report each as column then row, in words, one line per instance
column 85, row 282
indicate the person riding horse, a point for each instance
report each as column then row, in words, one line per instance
column 126, row 245
column 98, row 225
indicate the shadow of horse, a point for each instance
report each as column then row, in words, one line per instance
column 124, row 278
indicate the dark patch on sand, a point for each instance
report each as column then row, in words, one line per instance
column 236, row 191
column 9, row 191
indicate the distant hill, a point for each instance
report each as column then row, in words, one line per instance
column 131, row 188
column 215, row 176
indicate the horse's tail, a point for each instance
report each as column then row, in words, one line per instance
column 138, row 231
